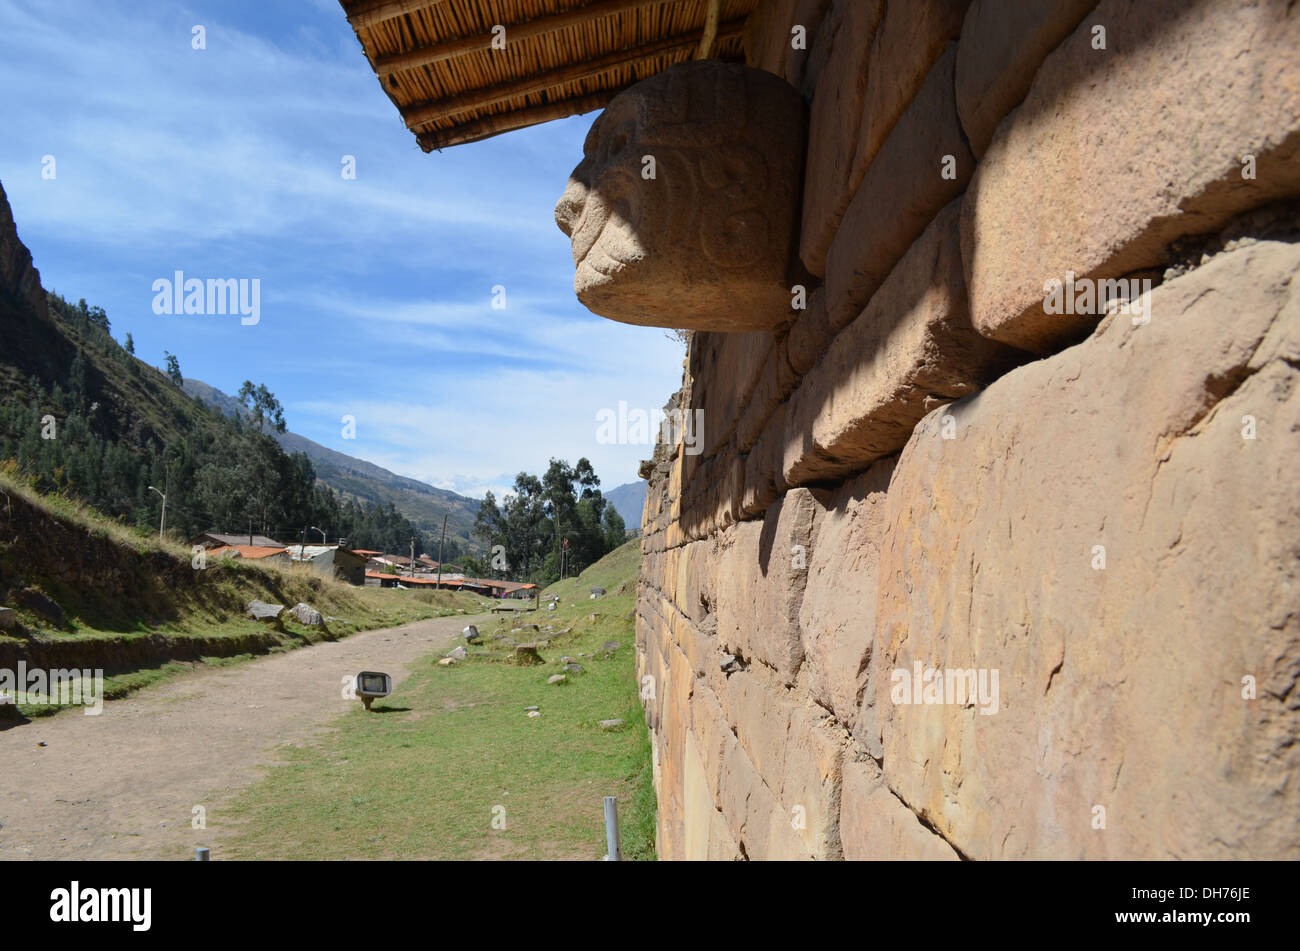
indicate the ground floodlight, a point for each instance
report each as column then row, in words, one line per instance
column 371, row 684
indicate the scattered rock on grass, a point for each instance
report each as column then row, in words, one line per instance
column 264, row 611
column 610, row 724
column 458, row 653
column 47, row 609
column 307, row 615
column 556, row 679
column 526, row 655
column 447, row 662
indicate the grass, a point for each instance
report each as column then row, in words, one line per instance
column 426, row 773
column 209, row 605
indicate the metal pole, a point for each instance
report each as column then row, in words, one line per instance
column 441, row 542
column 163, row 524
column 201, row 854
column 615, row 853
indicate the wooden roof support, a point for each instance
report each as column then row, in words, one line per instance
column 377, row 11
column 423, row 113
column 489, row 126
column 450, row 49
column 709, row 41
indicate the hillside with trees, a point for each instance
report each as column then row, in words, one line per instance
column 82, row 416
column 365, row 483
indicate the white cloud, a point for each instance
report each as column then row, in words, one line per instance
column 376, row 292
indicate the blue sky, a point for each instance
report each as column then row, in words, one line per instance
column 375, row 292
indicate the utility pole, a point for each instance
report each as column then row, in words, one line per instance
column 440, row 544
column 412, row 556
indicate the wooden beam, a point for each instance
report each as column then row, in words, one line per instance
column 489, row 126
column 422, row 113
column 710, row 38
column 449, row 49
column 377, row 11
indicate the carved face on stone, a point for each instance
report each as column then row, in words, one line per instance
column 683, row 211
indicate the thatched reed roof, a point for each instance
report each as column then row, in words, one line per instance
column 436, row 61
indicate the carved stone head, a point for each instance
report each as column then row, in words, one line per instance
column 683, row 212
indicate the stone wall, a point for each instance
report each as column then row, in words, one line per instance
column 924, row 468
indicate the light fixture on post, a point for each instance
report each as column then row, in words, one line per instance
column 370, row 684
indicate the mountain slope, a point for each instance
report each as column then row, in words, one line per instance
column 82, row 417
column 629, row 499
column 355, row 478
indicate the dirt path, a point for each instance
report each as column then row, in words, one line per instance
column 124, row 784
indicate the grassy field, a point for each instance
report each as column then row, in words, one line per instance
column 452, row 767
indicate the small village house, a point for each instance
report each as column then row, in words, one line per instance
column 332, row 561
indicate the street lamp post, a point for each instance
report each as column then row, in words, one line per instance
column 163, row 524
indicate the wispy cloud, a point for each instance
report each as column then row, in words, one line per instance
column 226, row 162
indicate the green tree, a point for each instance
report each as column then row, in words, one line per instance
column 173, row 368
column 262, row 406
column 615, row 528
column 130, row 344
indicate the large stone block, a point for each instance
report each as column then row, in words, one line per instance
column 809, row 336
column 697, row 584
column 1003, row 42
column 763, row 467
column 722, row 844
column 703, row 239
column 746, row 803
column 674, row 733
column 697, row 805
column 712, row 733
column 875, row 825
column 912, row 348
column 759, row 712
column 905, row 44
column 1117, row 152
column 759, row 588
column 1127, row 559
column 838, row 616
column 726, row 367
column 810, row 789
column 775, row 382
column 769, row 34
column 833, row 123
column 922, row 166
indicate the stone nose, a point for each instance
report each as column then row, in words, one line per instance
column 568, row 210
